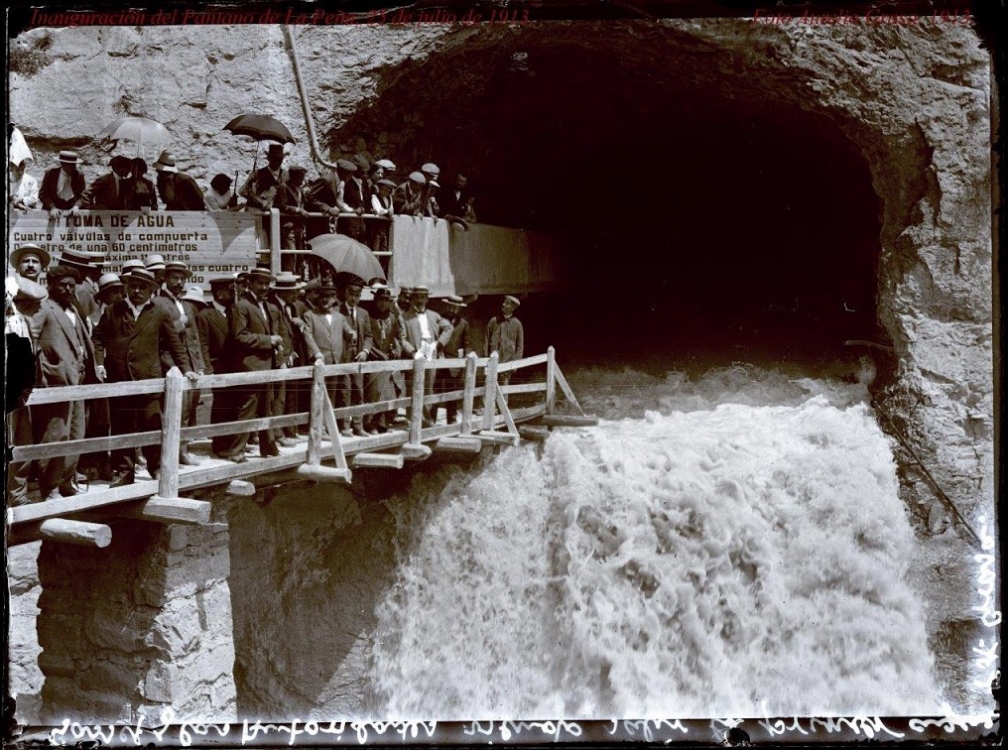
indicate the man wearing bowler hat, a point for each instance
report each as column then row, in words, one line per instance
column 63, row 186
column 183, row 314
column 257, row 344
column 108, row 192
column 29, row 261
column 129, row 340
column 427, row 333
column 213, row 324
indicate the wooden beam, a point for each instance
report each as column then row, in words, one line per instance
column 493, row 437
column 468, row 393
column 84, row 445
column 416, row 414
column 523, row 388
column 517, row 364
column 324, row 474
column 379, row 460
column 550, row 380
column 415, row 451
column 241, row 488
column 568, row 420
column 490, row 393
column 171, row 429
column 565, row 387
column 538, row 434
column 506, row 413
column 316, row 425
column 334, row 435
column 459, row 444
column 76, row 532
column 87, row 501
column 171, row 510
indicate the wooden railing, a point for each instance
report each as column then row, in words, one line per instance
column 160, row 500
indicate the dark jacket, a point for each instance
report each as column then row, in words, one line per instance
column 131, row 350
column 139, row 193
column 104, row 195
column 187, row 331
column 47, row 191
column 214, row 331
column 183, row 195
column 362, row 328
column 250, row 332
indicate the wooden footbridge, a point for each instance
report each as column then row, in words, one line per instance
column 324, row 456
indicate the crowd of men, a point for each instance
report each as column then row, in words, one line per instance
column 354, row 188
column 72, row 323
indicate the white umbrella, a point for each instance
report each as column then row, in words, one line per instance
column 139, row 129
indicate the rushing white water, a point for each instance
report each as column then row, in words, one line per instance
column 738, row 548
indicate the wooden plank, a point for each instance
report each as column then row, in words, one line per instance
column 459, row 444
column 440, row 431
column 87, row 501
column 241, row 488
column 335, row 439
column 416, row 416
column 490, row 393
column 76, row 532
column 440, row 398
column 523, row 388
column 391, row 439
column 377, row 407
column 319, row 473
column 202, row 432
column 518, row 364
column 565, row 387
column 568, row 420
column 66, row 393
column 379, row 460
column 167, row 510
column 316, row 425
column 550, row 380
column 378, row 365
column 468, row 393
column 171, row 428
column 506, row 413
column 413, row 452
column 88, row 445
column 456, row 363
column 528, row 432
column 498, row 438
column 232, row 379
column 229, row 471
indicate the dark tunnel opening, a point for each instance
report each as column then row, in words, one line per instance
column 706, row 224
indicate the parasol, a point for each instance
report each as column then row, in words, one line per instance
column 139, row 129
column 347, row 255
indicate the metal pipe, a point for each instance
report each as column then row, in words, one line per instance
column 305, row 104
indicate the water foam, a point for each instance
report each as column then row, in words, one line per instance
column 723, row 561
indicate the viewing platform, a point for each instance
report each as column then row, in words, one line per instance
column 322, row 456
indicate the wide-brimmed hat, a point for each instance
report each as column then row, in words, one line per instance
column 194, row 293
column 382, row 291
column 165, row 163
column 130, row 265
column 454, row 299
column 30, row 290
column 30, row 249
column 68, row 157
column 108, row 281
column 288, row 282
column 262, row 273
column 143, row 274
column 405, row 290
column 82, row 259
column 177, row 265
column 421, row 289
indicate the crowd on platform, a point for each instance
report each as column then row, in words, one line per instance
column 72, row 324
column 355, row 187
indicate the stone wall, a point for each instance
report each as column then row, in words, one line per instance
column 137, row 629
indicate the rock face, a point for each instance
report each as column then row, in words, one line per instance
column 914, row 100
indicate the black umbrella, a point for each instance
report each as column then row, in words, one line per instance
column 260, row 128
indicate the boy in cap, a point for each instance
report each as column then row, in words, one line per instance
column 64, row 354
column 506, row 336
column 129, row 340
column 63, row 186
column 22, row 306
column 352, row 386
column 183, row 314
column 430, row 204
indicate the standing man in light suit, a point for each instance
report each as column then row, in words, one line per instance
column 328, row 335
column 427, row 334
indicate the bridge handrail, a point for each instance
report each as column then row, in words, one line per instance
column 175, row 384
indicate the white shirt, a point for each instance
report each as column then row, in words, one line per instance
column 70, row 314
column 24, row 192
column 137, row 310
column 64, row 188
column 425, row 331
column 220, row 308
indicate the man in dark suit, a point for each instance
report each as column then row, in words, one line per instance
column 106, row 193
column 427, row 334
column 261, row 187
column 352, row 387
column 409, row 199
column 183, row 313
column 140, row 193
column 64, row 353
column 256, row 345
column 63, row 186
column 129, row 340
column 214, row 328
column 178, row 191
column 459, row 345
column 387, row 334
column 285, row 401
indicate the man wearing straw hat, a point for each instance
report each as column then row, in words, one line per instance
column 129, row 340
column 256, row 344
column 29, row 261
column 23, row 304
column 64, row 353
column 427, row 333
column 178, row 191
column 88, row 268
column 327, row 333
column 352, row 387
column 63, row 186
column 183, row 315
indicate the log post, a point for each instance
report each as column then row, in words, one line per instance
column 76, row 532
column 490, row 392
column 316, row 417
column 171, row 431
column 275, row 244
column 470, row 392
column 416, row 420
column 550, row 380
